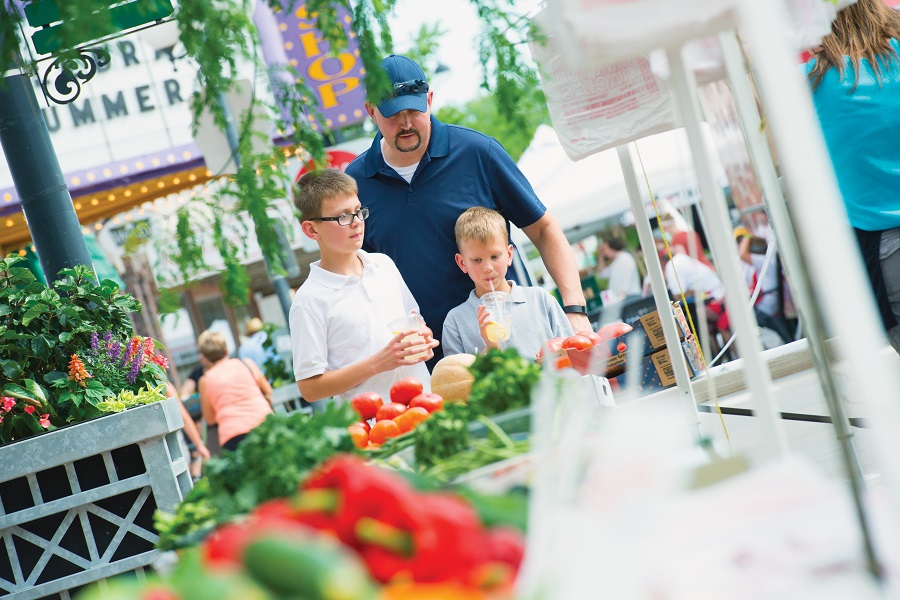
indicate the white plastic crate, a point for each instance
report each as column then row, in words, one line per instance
column 76, row 504
column 286, row 399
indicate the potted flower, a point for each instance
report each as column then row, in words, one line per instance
column 78, row 491
column 68, row 352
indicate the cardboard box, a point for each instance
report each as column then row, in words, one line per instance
column 649, row 329
column 657, row 371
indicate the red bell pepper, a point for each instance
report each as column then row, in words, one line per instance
column 435, row 539
column 344, row 490
column 505, row 544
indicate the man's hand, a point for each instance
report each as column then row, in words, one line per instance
column 579, row 322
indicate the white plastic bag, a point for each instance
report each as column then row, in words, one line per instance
column 602, row 107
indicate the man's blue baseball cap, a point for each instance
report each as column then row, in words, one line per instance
column 410, row 86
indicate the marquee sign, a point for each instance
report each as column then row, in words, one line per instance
column 132, row 123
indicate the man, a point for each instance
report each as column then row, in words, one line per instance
column 619, row 268
column 420, row 175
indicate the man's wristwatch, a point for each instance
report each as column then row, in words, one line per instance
column 575, row 309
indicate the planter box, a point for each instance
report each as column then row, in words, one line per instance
column 286, row 399
column 76, row 504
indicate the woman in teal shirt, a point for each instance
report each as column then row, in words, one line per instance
column 855, row 76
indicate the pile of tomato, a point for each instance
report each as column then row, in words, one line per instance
column 380, row 421
column 584, row 341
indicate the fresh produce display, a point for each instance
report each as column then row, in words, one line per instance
column 271, row 461
column 451, row 378
column 392, row 539
column 408, row 407
column 350, row 531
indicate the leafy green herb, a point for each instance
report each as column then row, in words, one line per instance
column 503, row 381
column 442, row 435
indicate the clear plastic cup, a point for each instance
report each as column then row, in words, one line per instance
column 499, row 324
column 406, row 322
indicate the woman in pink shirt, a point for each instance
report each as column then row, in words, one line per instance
column 233, row 393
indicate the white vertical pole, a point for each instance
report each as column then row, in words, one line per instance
column 737, row 298
column 788, row 247
column 836, row 272
column 660, row 292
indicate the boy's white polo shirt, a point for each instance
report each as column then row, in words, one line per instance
column 338, row 320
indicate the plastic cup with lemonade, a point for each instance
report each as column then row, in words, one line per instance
column 406, row 322
column 499, row 324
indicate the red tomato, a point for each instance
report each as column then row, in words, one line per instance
column 417, row 414
column 366, row 404
column 364, row 424
column 383, row 430
column 613, row 330
column 359, row 436
column 621, row 346
column 404, row 422
column 553, row 344
column 577, row 342
column 389, row 411
column 428, row 401
column 405, row 390
column 595, row 338
column 411, row 418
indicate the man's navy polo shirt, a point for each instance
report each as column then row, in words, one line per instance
column 413, row 222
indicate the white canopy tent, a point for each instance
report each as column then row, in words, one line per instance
column 588, row 195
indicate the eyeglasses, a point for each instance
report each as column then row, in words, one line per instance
column 408, row 88
column 346, row 219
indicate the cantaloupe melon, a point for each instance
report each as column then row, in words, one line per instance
column 451, row 378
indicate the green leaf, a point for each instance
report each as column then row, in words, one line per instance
column 17, row 391
column 54, row 376
column 11, row 369
column 37, row 391
column 34, row 312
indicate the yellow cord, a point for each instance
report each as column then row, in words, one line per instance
column 710, row 386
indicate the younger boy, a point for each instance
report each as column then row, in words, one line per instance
column 484, row 255
column 339, row 317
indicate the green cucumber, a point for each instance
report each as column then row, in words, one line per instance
column 313, row 570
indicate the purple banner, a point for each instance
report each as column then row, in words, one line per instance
column 337, row 81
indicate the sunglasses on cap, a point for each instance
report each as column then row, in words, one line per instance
column 410, row 88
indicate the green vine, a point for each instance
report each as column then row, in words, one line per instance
column 189, row 252
column 234, row 282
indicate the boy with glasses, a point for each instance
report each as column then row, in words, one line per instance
column 339, row 317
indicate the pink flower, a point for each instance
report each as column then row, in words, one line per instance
column 45, row 421
column 160, row 360
column 8, row 403
column 29, row 409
